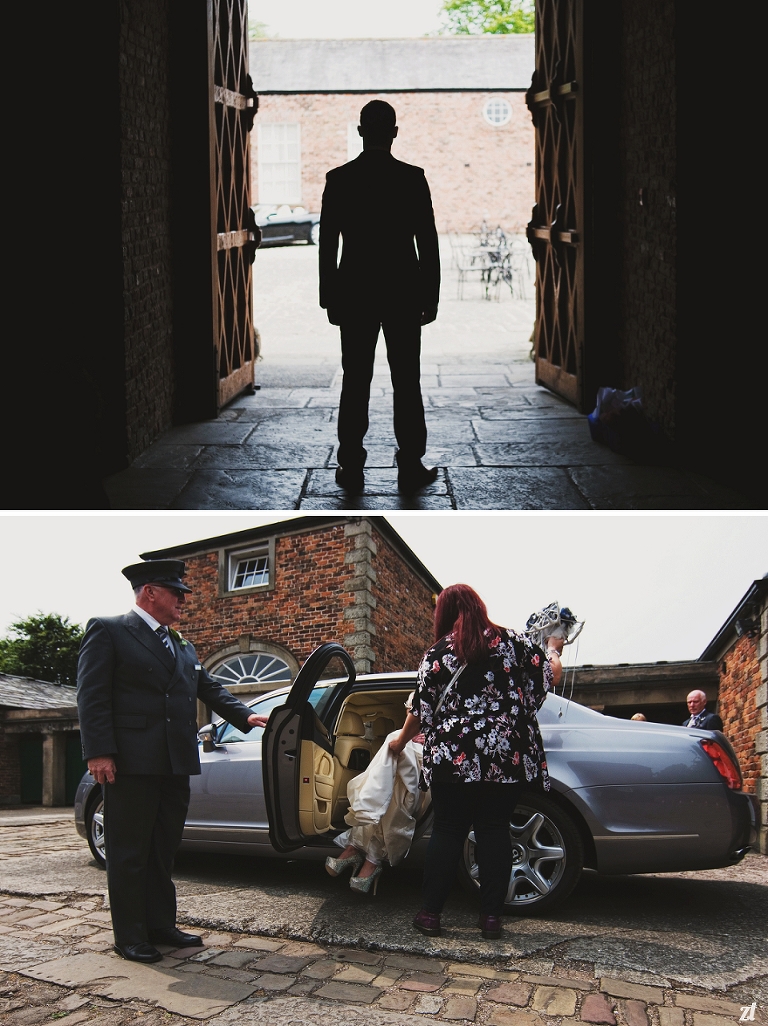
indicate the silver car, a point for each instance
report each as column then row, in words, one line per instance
column 627, row 796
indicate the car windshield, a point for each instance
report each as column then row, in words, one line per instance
column 318, row 698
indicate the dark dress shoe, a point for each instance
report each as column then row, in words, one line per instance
column 490, row 927
column 138, row 952
column 352, row 481
column 427, row 923
column 179, row 939
column 411, row 478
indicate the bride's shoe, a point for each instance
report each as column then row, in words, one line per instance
column 363, row 883
column 335, row 867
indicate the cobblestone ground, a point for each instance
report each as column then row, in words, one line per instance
column 49, row 937
column 57, row 963
column 499, row 440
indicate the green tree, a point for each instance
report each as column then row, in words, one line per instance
column 471, row 17
column 44, row 646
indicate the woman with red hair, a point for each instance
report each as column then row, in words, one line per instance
column 480, row 687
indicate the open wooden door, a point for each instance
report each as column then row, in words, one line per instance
column 235, row 236
column 556, row 229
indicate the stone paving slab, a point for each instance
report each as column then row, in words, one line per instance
column 113, row 977
column 263, row 456
column 241, row 489
column 514, row 488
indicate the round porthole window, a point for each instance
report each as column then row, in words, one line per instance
column 497, row 112
column 260, row 668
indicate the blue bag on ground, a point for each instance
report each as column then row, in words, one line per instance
column 618, row 421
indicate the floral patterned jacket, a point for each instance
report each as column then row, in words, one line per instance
column 486, row 729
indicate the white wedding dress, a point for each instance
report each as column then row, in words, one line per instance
column 384, row 804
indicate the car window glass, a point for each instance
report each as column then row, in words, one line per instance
column 319, row 698
column 263, row 708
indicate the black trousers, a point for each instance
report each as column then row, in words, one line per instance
column 457, row 807
column 402, row 334
column 143, row 823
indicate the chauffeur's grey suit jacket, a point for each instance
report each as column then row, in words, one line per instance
column 138, row 703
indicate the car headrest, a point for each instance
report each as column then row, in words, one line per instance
column 351, row 724
column 383, row 726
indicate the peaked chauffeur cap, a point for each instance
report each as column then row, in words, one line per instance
column 168, row 572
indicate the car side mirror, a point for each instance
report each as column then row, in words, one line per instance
column 207, row 735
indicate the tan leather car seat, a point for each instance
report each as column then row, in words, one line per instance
column 382, row 726
column 351, row 754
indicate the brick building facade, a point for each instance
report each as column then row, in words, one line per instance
column 265, row 598
column 461, row 112
column 740, row 649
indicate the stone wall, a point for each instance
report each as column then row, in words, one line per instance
column 648, row 147
column 475, row 170
column 146, row 206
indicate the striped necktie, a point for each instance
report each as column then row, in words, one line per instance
column 162, row 633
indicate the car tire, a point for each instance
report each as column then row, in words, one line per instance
column 314, row 234
column 548, row 856
column 94, row 825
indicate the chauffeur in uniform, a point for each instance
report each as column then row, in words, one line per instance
column 137, row 689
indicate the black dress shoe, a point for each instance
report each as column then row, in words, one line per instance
column 138, row 952
column 411, row 478
column 352, row 481
column 179, row 939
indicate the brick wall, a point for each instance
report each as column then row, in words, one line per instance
column 343, row 582
column 737, row 706
column 404, row 614
column 10, row 769
column 761, row 741
column 648, row 119
column 145, row 168
column 305, row 608
column 475, row 170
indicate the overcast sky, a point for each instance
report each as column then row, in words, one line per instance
column 345, row 19
column 649, row 586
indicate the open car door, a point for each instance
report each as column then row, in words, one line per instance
column 297, row 755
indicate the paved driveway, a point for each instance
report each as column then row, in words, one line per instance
column 704, row 930
column 500, row 441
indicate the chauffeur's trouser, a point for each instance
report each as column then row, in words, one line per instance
column 143, row 822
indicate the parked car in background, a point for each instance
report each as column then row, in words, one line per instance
column 626, row 797
column 281, row 226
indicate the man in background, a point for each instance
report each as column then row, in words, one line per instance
column 697, row 707
column 388, row 278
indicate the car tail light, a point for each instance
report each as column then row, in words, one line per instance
column 724, row 764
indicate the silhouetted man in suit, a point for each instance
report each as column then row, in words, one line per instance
column 137, row 689
column 388, row 278
column 697, row 707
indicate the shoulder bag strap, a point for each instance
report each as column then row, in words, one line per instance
column 448, row 687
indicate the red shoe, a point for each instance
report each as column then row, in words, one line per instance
column 490, row 926
column 428, row 923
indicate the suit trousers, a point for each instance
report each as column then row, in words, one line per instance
column 143, row 822
column 402, row 334
column 488, row 809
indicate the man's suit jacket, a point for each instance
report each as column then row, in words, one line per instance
column 138, row 703
column 382, row 209
column 707, row 721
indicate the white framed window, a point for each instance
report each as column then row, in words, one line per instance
column 354, row 141
column 247, row 570
column 263, row 670
column 497, row 111
column 250, row 572
column 279, row 163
